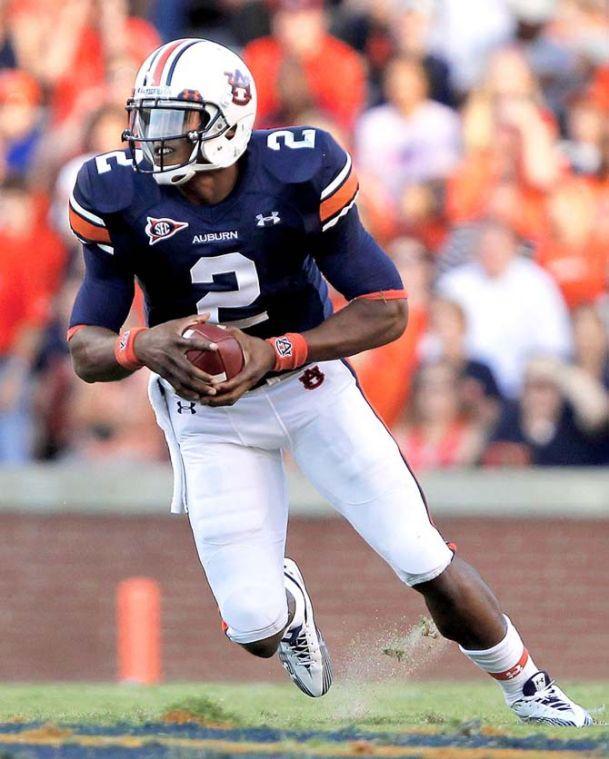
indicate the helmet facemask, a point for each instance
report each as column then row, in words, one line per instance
column 171, row 135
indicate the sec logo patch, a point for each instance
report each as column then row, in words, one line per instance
column 161, row 229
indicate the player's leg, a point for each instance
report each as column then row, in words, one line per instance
column 463, row 606
column 238, row 502
column 238, row 513
column 228, row 471
column 353, row 461
column 460, row 601
column 349, row 456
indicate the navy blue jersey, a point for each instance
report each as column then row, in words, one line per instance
column 258, row 260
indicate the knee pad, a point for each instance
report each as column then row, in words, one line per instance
column 254, row 612
column 411, row 578
column 422, row 560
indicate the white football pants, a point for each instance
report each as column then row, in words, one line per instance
column 236, row 490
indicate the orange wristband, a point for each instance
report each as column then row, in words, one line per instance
column 291, row 351
column 124, row 349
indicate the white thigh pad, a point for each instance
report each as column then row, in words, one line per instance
column 238, row 512
column 350, row 457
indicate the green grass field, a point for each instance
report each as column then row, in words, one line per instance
column 380, row 707
column 459, row 709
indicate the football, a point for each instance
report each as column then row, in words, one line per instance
column 223, row 364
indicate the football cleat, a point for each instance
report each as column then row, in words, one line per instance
column 543, row 702
column 302, row 650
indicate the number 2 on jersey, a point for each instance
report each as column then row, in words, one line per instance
column 242, row 270
column 282, row 136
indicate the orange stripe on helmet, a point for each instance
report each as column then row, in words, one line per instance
column 88, row 231
column 157, row 73
column 342, row 197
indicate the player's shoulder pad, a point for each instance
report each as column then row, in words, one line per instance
column 105, row 183
column 104, row 186
column 306, row 155
column 293, row 155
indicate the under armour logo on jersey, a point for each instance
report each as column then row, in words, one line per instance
column 312, row 377
column 161, row 229
column 186, row 407
column 268, row 221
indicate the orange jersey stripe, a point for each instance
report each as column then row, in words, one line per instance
column 88, row 231
column 384, row 295
column 332, row 205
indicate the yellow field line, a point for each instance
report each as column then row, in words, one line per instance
column 57, row 737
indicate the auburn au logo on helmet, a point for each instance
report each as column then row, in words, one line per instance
column 241, row 86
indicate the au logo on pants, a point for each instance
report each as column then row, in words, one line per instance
column 312, row 377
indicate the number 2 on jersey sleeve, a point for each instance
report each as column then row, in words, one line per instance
column 281, row 137
column 229, row 268
column 104, row 162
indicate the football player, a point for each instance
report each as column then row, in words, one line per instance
column 244, row 228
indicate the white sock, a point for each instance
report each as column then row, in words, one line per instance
column 508, row 662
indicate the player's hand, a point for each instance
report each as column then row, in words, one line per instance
column 259, row 360
column 163, row 349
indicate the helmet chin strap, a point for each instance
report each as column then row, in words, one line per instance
column 177, row 177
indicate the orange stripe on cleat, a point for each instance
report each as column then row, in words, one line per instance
column 88, row 231
column 342, row 197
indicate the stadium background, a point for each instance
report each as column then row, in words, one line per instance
column 480, row 132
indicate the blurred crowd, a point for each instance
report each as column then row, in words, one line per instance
column 480, row 133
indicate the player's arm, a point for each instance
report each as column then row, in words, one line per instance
column 362, row 325
column 355, row 265
column 100, row 354
column 376, row 314
column 100, row 309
